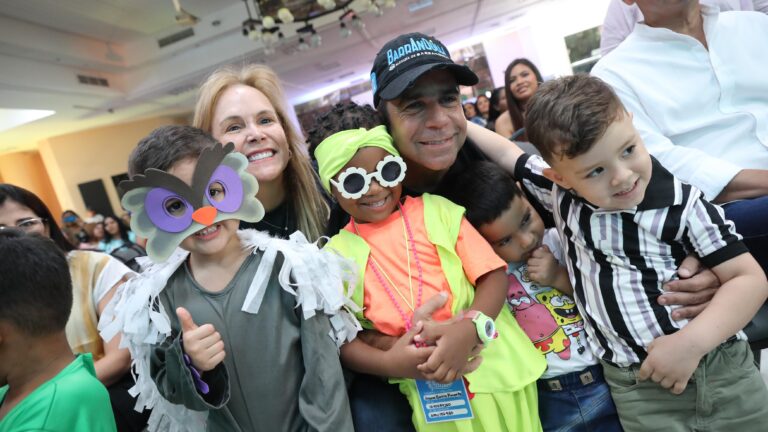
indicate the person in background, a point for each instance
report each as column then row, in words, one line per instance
column 521, row 80
column 247, row 106
column 43, row 386
column 470, row 112
column 573, row 394
column 483, row 105
column 498, row 106
column 116, row 234
column 709, row 124
column 126, row 218
column 95, row 235
column 92, row 216
column 95, row 279
column 622, row 16
column 74, row 229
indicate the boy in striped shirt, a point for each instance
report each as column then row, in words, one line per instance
column 625, row 224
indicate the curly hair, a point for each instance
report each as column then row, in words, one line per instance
column 343, row 116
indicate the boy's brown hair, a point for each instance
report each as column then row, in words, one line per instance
column 568, row 115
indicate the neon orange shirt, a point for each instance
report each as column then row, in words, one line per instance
column 388, row 246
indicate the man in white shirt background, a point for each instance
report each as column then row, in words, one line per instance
column 695, row 81
column 621, row 18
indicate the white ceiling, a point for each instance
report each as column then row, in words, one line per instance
column 45, row 44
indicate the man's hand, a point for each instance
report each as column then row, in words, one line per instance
column 542, row 266
column 671, row 361
column 695, row 288
column 202, row 344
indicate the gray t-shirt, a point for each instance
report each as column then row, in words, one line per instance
column 280, row 373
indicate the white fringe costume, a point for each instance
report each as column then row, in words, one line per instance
column 317, row 278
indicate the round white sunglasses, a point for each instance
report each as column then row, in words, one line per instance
column 354, row 182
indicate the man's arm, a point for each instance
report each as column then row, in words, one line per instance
column 672, row 359
column 498, row 148
column 748, row 183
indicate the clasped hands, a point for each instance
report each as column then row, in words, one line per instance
column 446, row 350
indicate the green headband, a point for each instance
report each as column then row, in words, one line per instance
column 338, row 149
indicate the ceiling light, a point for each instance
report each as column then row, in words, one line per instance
column 268, row 22
column 11, row 117
column 327, row 4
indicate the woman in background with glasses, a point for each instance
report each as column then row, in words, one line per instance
column 95, row 278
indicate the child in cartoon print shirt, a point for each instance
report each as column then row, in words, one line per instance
column 572, row 392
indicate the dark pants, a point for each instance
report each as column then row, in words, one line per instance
column 577, row 402
column 378, row 406
column 126, row 418
column 751, row 220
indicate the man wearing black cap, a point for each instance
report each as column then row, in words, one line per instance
column 415, row 88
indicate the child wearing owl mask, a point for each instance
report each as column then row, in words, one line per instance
column 412, row 249
column 573, row 394
column 240, row 328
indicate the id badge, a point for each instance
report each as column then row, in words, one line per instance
column 444, row 402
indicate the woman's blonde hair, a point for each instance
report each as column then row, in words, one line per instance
column 309, row 207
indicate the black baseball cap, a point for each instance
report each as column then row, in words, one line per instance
column 405, row 58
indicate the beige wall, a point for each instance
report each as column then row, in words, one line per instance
column 93, row 154
column 28, row 171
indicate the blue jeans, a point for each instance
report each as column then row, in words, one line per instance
column 378, row 406
column 566, row 403
column 751, row 220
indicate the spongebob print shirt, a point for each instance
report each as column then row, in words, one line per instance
column 549, row 317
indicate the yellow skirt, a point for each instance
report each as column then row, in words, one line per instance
column 516, row 411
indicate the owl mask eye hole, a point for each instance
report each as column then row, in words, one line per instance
column 167, row 210
column 225, row 190
column 216, row 191
column 175, row 207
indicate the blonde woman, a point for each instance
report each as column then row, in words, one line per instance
column 247, row 106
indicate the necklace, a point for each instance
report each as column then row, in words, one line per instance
column 281, row 210
column 382, row 276
column 284, row 228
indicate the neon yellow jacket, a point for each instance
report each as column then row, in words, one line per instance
column 510, row 362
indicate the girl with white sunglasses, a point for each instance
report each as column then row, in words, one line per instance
column 408, row 250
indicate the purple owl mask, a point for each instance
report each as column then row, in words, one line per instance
column 166, row 210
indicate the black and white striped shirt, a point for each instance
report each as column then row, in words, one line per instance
column 619, row 259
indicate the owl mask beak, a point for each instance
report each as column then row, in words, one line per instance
column 204, row 215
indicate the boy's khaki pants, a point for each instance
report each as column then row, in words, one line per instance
column 725, row 394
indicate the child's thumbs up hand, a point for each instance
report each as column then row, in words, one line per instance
column 202, row 344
